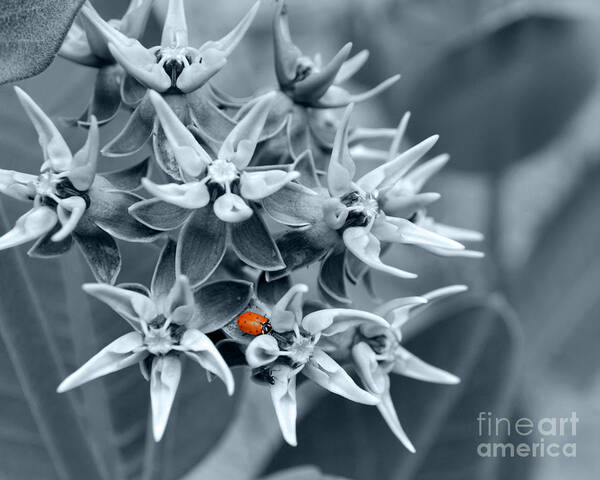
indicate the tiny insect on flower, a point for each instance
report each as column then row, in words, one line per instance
column 254, row 323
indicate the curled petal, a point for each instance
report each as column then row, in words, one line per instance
column 286, row 53
column 388, row 412
column 181, row 294
column 258, row 185
column 17, row 185
column 401, row 230
column 56, row 151
column 447, row 252
column 232, row 208
column 262, row 350
column 197, row 74
column 316, row 84
column 190, row 156
column 175, row 32
column 337, row 97
column 410, row 365
column 396, row 311
column 283, row 396
column 202, row 350
column 70, row 210
column 456, row 233
column 419, row 176
column 326, row 372
column 83, row 168
column 367, row 248
column 444, row 292
column 33, row 224
column 191, row 195
column 406, row 205
column 398, row 137
column 374, row 378
column 121, row 353
column 132, row 306
column 351, row 66
column 240, row 144
column 336, row 320
column 287, row 312
column 164, row 380
column 389, row 173
column 227, row 44
column 133, row 57
column 341, row 166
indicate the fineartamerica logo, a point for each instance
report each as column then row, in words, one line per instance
column 526, row 437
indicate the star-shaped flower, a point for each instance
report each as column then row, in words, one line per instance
column 215, row 202
column 301, row 125
column 177, row 71
column 169, row 322
column 83, row 45
column 293, row 347
column 378, row 352
column 71, row 202
column 346, row 225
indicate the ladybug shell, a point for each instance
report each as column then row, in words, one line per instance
column 252, row 323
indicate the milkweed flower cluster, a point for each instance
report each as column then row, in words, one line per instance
column 257, row 188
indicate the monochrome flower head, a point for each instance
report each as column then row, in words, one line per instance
column 85, row 45
column 302, row 123
column 169, row 322
column 175, row 70
column 217, row 195
column 378, row 351
column 346, row 225
column 70, row 202
column 292, row 347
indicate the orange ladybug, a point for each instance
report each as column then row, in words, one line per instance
column 254, row 323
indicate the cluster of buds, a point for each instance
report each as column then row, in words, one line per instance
column 257, row 188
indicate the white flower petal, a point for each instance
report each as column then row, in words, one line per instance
column 132, row 306
column 421, row 174
column 240, row 144
column 117, row 355
column 69, row 210
column 190, row 156
column 258, row 185
column 181, row 294
column 283, row 395
column 389, row 173
column 31, row 225
column 410, row 365
column 326, row 372
column 191, row 195
column 197, row 346
column 164, row 380
column 374, row 379
column 401, row 230
column 341, row 166
column 456, row 233
column 175, row 32
column 83, row 167
column 262, row 350
column 388, row 412
column 17, row 185
column 232, row 208
column 331, row 321
column 367, row 248
column 56, row 151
